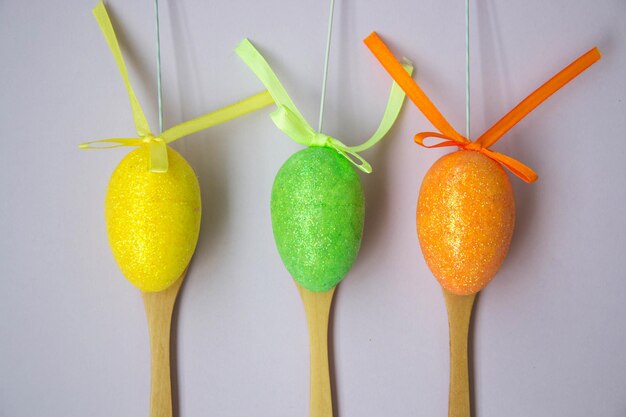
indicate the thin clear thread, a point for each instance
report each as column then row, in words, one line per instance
column 158, row 65
column 467, row 69
column 326, row 58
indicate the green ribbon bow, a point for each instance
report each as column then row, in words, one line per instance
column 288, row 119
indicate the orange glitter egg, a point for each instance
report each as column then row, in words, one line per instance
column 465, row 220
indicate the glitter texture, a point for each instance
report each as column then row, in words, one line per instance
column 317, row 216
column 153, row 219
column 465, row 220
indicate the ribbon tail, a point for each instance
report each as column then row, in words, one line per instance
column 294, row 126
column 222, row 115
column 522, row 171
column 541, row 94
column 102, row 17
column 410, row 87
column 257, row 63
column 158, row 156
column 392, row 110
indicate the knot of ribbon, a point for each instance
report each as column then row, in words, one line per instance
column 301, row 132
column 449, row 136
column 291, row 122
column 520, row 170
column 157, row 144
column 322, row 139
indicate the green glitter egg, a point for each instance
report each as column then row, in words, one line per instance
column 318, row 211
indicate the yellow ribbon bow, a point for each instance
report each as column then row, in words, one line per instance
column 157, row 144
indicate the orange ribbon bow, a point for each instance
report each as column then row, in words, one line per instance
column 453, row 138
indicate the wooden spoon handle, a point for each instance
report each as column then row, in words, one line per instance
column 459, row 315
column 159, row 307
column 317, row 307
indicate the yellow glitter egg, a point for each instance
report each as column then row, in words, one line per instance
column 465, row 220
column 153, row 219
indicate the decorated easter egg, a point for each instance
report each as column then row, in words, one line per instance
column 465, row 220
column 153, row 219
column 318, row 211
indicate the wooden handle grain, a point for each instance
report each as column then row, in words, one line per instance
column 317, row 306
column 159, row 307
column 459, row 315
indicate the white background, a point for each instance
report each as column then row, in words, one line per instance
column 549, row 335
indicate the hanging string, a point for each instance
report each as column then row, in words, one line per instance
column 158, row 65
column 328, row 38
column 467, row 70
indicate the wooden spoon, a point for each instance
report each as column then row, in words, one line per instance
column 159, row 306
column 459, row 315
column 317, row 307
